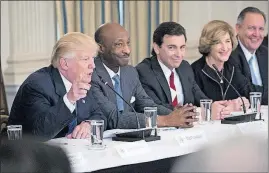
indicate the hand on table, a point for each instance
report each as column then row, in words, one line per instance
column 81, row 131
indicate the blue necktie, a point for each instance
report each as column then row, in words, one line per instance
column 73, row 124
column 254, row 71
column 117, row 87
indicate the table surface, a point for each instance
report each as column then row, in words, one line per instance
column 85, row 160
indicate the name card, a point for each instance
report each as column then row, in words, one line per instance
column 253, row 127
column 132, row 148
column 193, row 138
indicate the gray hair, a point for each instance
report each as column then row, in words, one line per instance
column 243, row 13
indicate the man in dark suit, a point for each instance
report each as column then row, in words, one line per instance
column 265, row 41
column 53, row 101
column 250, row 56
column 112, row 68
column 167, row 78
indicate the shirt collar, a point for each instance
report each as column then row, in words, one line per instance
column 110, row 72
column 166, row 70
column 66, row 82
column 247, row 54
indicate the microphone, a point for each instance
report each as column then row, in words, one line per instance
column 131, row 136
column 246, row 117
column 243, row 104
column 106, row 83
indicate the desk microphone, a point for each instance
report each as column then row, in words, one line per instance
column 139, row 134
column 106, row 83
column 229, row 83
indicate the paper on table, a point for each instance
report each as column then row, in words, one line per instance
column 253, row 127
column 131, row 149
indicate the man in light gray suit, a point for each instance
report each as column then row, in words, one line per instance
column 112, row 68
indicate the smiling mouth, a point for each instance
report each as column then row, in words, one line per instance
column 125, row 57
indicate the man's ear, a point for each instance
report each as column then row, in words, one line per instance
column 156, row 48
column 101, row 48
column 63, row 64
column 237, row 27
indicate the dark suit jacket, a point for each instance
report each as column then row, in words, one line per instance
column 131, row 87
column 209, row 82
column 156, row 86
column 40, row 109
column 238, row 59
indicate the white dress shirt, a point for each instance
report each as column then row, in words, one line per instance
column 167, row 74
column 67, row 86
column 111, row 73
column 248, row 56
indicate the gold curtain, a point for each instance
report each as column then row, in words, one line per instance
column 141, row 18
column 85, row 16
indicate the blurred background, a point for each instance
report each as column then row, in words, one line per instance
column 29, row 29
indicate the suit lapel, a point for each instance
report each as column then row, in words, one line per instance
column 245, row 64
column 262, row 61
column 125, row 85
column 161, row 78
column 58, row 82
column 183, row 81
column 102, row 72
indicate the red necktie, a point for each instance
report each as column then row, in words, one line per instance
column 172, row 86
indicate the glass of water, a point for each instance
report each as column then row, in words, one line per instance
column 97, row 130
column 205, row 111
column 255, row 102
column 150, row 117
column 14, row 132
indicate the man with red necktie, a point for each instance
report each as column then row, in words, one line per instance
column 168, row 79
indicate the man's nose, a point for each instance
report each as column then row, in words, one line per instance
column 91, row 65
column 126, row 49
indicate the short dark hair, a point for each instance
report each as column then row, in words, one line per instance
column 167, row 28
column 243, row 13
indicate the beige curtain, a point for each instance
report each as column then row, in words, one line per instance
column 85, row 16
column 141, row 18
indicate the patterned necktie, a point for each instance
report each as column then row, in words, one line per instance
column 73, row 124
column 117, row 87
column 254, row 72
column 173, row 90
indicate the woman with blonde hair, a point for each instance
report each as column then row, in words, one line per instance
column 216, row 43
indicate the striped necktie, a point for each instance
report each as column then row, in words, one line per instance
column 173, row 90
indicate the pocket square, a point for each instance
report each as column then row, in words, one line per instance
column 132, row 99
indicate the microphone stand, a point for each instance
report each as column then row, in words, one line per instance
column 243, row 104
column 236, row 119
column 133, row 135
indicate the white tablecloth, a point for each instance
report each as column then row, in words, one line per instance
column 85, row 160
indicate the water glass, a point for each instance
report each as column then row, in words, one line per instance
column 14, row 132
column 205, row 108
column 97, row 130
column 255, row 102
column 151, row 117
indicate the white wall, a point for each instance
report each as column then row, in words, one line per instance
column 195, row 14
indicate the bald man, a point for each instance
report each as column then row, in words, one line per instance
column 112, row 68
